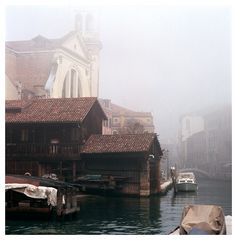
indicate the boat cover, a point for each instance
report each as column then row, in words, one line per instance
column 202, row 219
column 32, row 191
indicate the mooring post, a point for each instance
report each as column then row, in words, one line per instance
column 173, row 177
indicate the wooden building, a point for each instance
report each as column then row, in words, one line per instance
column 133, row 157
column 45, row 136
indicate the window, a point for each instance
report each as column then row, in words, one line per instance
column 115, row 120
column 110, row 120
column 24, row 135
column 65, row 86
column 73, row 84
column 75, row 134
column 79, row 87
column 106, row 123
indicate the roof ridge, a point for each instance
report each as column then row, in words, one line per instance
column 54, row 110
column 119, row 143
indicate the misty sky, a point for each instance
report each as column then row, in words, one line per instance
column 167, row 60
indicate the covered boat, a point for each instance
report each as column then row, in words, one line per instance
column 186, row 182
column 35, row 197
column 203, row 220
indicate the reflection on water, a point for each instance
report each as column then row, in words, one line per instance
column 111, row 215
column 183, row 197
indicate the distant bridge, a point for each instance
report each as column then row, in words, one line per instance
column 195, row 170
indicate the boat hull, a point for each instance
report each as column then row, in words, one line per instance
column 186, row 187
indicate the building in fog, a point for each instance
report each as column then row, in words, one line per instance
column 55, row 68
column 45, row 136
column 190, row 125
column 208, row 145
column 122, row 120
column 135, row 158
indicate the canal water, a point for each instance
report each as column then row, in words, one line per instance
column 117, row 215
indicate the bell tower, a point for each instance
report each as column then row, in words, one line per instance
column 87, row 23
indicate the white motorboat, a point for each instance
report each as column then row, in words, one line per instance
column 186, row 182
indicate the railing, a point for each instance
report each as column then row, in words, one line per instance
column 42, row 149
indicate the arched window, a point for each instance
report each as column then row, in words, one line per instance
column 73, row 83
column 79, row 87
column 65, row 90
column 115, row 132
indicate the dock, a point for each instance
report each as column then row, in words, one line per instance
column 166, row 186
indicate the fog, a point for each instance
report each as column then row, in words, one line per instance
column 166, row 60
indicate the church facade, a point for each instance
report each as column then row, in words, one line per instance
column 55, row 68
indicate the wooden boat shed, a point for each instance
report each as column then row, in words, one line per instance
column 133, row 158
column 45, row 136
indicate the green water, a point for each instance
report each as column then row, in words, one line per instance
column 117, row 215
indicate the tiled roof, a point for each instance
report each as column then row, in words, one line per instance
column 118, row 143
column 50, row 110
column 118, row 110
column 39, row 43
column 13, row 104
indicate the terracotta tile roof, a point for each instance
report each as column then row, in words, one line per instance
column 118, row 143
column 118, row 110
column 38, row 43
column 50, row 110
column 13, row 104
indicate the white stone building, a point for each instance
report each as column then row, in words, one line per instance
column 56, row 68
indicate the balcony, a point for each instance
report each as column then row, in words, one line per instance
column 43, row 150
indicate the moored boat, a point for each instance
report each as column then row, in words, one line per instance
column 37, row 197
column 203, row 220
column 186, row 182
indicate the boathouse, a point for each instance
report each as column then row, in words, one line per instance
column 131, row 160
column 45, row 136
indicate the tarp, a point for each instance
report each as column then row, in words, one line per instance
column 32, row 191
column 203, row 219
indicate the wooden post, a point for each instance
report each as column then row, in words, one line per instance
column 145, row 178
column 74, row 170
column 173, row 177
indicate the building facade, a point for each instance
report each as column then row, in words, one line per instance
column 125, row 121
column 55, row 68
column 208, row 147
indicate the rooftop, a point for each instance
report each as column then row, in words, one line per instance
column 50, row 110
column 119, row 143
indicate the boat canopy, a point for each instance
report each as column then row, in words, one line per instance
column 186, row 175
column 202, row 219
column 38, row 192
